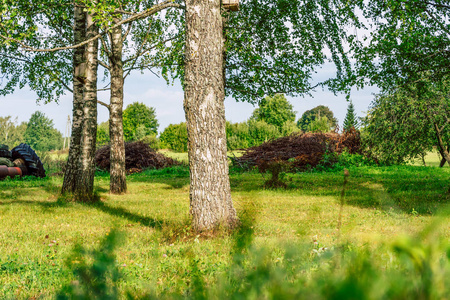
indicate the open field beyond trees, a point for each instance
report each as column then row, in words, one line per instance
column 159, row 254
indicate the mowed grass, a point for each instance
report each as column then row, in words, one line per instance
column 183, row 156
column 38, row 232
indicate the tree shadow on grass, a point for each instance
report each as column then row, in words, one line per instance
column 120, row 212
column 15, row 189
column 44, row 204
column 123, row 213
column 413, row 190
column 99, row 189
column 19, row 193
column 170, row 182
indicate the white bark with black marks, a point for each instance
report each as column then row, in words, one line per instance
column 210, row 195
column 118, row 184
column 85, row 180
column 73, row 162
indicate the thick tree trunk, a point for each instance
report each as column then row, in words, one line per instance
column 85, row 180
column 73, row 162
column 118, row 184
column 210, row 196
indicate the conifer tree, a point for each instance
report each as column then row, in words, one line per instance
column 350, row 118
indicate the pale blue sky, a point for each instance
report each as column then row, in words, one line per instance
column 168, row 101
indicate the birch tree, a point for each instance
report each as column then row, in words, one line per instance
column 108, row 16
column 204, row 94
column 264, row 49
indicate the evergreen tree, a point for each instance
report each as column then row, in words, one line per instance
column 350, row 118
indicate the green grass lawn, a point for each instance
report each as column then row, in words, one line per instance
column 38, row 232
column 183, row 156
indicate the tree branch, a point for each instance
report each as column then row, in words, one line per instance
column 49, row 71
column 156, row 8
column 103, row 103
column 105, row 47
column 104, row 65
column 130, row 25
column 140, row 52
column 437, row 5
column 140, row 47
column 437, row 21
column 104, row 90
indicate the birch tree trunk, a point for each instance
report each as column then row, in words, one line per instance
column 84, row 189
column 118, row 184
column 210, row 195
column 73, row 162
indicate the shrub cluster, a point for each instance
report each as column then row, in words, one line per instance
column 253, row 133
column 138, row 156
column 300, row 151
column 174, row 137
column 239, row 135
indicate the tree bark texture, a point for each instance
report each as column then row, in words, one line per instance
column 210, row 195
column 73, row 162
column 85, row 180
column 118, row 184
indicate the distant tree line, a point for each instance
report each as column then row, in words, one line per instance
column 39, row 132
column 273, row 118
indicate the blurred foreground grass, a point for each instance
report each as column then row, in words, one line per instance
column 382, row 205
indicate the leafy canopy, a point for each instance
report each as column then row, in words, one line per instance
column 11, row 133
column 274, row 110
column 317, row 113
column 41, row 134
column 274, row 47
column 39, row 24
column 48, row 24
column 400, row 125
column 407, row 39
column 139, row 120
column 103, row 133
column 175, row 137
column 319, row 125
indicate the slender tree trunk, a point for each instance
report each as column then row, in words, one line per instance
column 210, row 196
column 444, row 151
column 442, row 163
column 423, row 160
column 118, row 183
column 73, row 162
column 443, row 160
column 85, row 180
